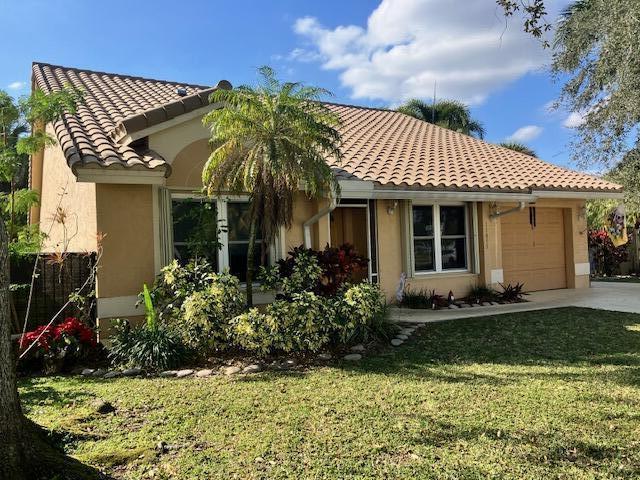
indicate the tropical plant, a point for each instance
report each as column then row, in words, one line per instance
column 606, row 256
column 203, row 319
column 422, row 298
column 267, row 141
column 337, row 267
column 512, row 293
column 519, row 147
column 156, row 348
column 449, row 114
column 361, row 314
column 480, row 294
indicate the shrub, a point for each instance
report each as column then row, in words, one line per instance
column 423, row 298
column 607, row 257
column 203, row 319
column 337, row 267
column 480, row 294
column 299, row 324
column 361, row 314
column 176, row 282
column 60, row 345
column 152, row 345
column 157, row 348
column 512, row 293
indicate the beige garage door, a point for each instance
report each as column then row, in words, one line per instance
column 533, row 249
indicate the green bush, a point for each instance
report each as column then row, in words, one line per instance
column 203, row 318
column 156, row 348
column 361, row 314
column 302, row 323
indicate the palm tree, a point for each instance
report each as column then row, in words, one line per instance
column 268, row 141
column 519, row 147
column 449, row 114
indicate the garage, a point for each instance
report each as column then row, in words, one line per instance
column 533, row 249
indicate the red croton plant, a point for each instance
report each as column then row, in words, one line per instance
column 56, row 344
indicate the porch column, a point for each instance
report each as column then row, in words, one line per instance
column 490, row 239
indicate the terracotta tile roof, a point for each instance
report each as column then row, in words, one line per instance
column 396, row 150
column 115, row 106
column 383, row 146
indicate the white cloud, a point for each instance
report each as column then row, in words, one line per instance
column 407, row 45
column 525, row 134
column 574, row 120
column 16, row 85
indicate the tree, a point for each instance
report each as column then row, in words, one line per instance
column 449, row 114
column 595, row 50
column 268, row 141
column 26, row 451
column 519, row 147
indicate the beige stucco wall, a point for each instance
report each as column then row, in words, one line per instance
column 59, row 188
column 125, row 218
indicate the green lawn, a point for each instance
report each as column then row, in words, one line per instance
column 550, row 394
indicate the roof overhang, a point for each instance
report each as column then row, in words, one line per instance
column 121, row 176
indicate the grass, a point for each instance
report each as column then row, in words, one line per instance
column 550, row 394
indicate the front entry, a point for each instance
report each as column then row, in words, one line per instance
column 352, row 223
column 533, row 249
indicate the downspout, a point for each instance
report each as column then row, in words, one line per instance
column 333, row 203
column 519, row 208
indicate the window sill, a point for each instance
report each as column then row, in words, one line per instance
column 447, row 274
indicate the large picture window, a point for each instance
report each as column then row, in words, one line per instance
column 217, row 231
column 439, row 238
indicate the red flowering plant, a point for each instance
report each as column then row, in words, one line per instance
column 605, row 255
column 59, row 344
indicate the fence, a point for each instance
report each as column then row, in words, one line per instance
column 53, row 285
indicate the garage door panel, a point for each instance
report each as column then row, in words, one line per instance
column 534, row 256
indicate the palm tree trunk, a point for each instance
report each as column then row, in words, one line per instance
column 251, row 251
column 12, row 224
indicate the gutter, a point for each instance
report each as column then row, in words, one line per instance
column 314, row 219
column 519, row 208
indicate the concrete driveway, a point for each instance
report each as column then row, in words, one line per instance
column 618, row 296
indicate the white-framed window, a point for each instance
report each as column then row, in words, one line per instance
column 197, row 221
column 439, row 237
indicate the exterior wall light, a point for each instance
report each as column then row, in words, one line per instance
column 391, row 209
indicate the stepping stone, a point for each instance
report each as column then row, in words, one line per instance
column 204, row 373
column 99, row 372
column 475, row 305
column 402, row 337
column 407, row 331
column 494, row 303
column 357, row 348
column 231, row 370
column 184, row 373
column 112, row 374
column 132, row 372
column 288, row 363
column 396, row 342
column 485, row 304
column 87, row 372
column 453, row 306
column 168, row 373
column 324, row 356
column 254, row 368
column 353, row 357
column 465, row 305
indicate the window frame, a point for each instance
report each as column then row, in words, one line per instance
column 221, row 212
column 438, row 237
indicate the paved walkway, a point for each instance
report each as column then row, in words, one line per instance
column 623, row 297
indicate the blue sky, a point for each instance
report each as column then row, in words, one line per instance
column 367, row 52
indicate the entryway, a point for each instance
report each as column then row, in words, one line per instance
column 353, row 222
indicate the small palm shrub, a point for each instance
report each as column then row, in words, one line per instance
column 152, row 345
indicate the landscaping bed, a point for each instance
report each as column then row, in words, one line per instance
column 550, row 394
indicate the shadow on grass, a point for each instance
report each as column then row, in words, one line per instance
column 564, row 337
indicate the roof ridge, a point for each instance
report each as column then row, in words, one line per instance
column 120, row 75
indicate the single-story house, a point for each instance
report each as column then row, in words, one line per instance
column 449, row 210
